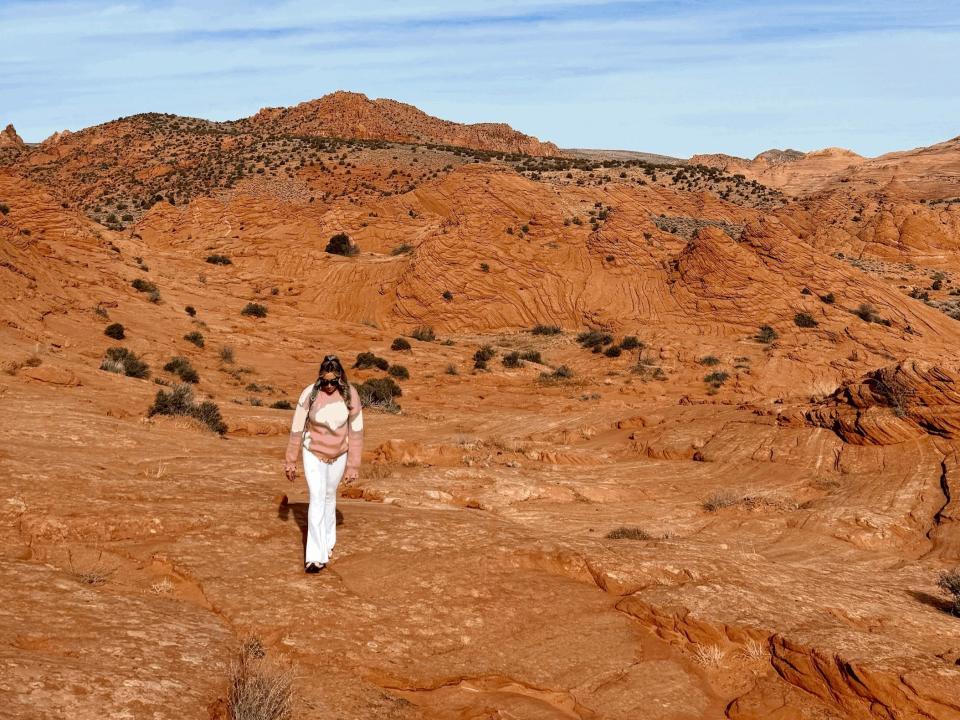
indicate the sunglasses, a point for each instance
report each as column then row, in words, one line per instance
column 326, row 382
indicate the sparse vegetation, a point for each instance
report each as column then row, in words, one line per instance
column 531, row 356
column 219, row 260
column 804, row 320
column 190, row 310
column 628, row 533
column 766, row 335
column 144, row 286
column 115, row 331
column 379, row 393
column 258, row 689
column 179, row 402
column 829, row 298
column 182, row 368
column 716, row 378
column 423, row 334
column 341, row 244
column 195, row 337
column 367, row 360
column 709, row 360
column 594, row 339
column 546, row 330
column 400, row 344
column 226, row 354
column 750, row 501
column 512, row 360
column 122, row 361
column 399, row 372
column 866, row 312
column 631, row 342
column 447, row 295
column 401, row 249
column 949, row 582
column 482, row 356
column 253, row 309
column 281, row 405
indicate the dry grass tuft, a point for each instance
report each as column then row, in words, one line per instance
column 755, row 651
column 162, row 587
column 708, row 655
column 748, row 500
column 629, row 533
column 259, row 690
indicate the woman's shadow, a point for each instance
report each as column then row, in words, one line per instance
column 298, row 511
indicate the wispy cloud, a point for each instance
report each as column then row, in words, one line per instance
column 674, row 76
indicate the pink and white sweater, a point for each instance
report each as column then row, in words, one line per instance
column 332, row 429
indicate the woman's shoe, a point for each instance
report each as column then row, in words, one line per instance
column 312, row 567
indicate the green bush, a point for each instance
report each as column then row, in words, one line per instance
column 804, row 320
column 512, row 360
column 424, row 334
column 179, row 401
column 380, row 393
column 219, row 260
column 366, row 360
column 716, row 378
column 144, row 286
column 254, row 310
column 546, row 329
column 399, row 344
column 115, row 331
column 766, row 335
column 399, row 372
column 180, row 366
column 594, row 339
column 124, row 362
column 340, row 244
column 195, row 337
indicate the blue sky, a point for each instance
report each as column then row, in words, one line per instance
column 669, row 76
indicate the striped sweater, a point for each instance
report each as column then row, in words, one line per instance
column 332, row 429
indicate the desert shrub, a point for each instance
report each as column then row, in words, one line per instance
column 254, row 310
column 558, row 373
column 613, row 351
column 512, row 360
column 423, row 334
column 258, row 689
column 226, row 354
column 154, row 296
column 804, row 320
column 447, row 295
column 367, row 360
column 716, row 378
column 190, row 310
column 399, row 372
column 546, row 329
column 401, row 249
column 144, row 286
column 195, row 337
column 101, row 311
column 181, row 367
column 380, row 393
column 115, row 331
column 179, row 401
column 484, row 267
column 340, row 244
column 4, row 208
column 281, row 405
column 709, row 360
column 766, row 335
column 399, row 344
column 865, row 312
column 949, row 582
column 481, row 356
column 937, row 284
column 629, row 533
column 594, row 339
column 532, row 356
column 219, row 260
column 452, row 370
column 829, row 298
column 630, row 342
column 124, row 362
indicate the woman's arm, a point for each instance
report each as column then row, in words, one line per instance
column 354, row 433
column 296, row 428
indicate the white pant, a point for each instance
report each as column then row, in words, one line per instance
column 322, row 479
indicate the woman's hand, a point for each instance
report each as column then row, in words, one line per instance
column 290, row 471
column 351, row 475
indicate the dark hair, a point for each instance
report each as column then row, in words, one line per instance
column 331, row 363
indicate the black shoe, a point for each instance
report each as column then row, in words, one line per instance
column 312, row 567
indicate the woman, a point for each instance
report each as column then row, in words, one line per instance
column 328, row 424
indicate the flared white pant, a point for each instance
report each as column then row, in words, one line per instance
column 322, row 479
